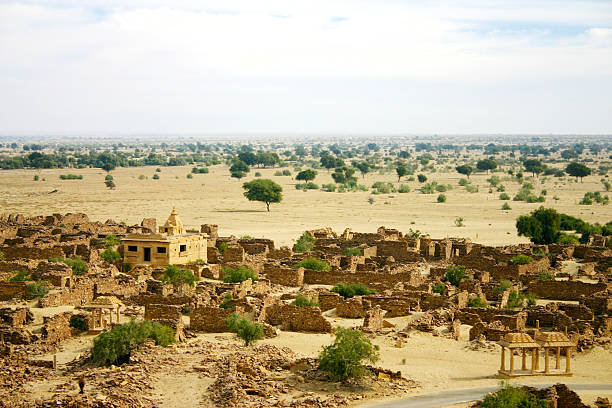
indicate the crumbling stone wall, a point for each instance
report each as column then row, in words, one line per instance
column 80, row 294
column 233, row 254
column 564, row 290
column 284, row 276
column 382, row 280
column 373, row 320
column 209, row 319
column 149, row 298
column 162, row 312
column 121, row 290
column 28, row 252
column 297, row 318
column 353, row 308
column 16, row 317
column 56, row 328
column 12, row 290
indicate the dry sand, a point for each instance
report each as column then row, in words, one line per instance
column 216, row 198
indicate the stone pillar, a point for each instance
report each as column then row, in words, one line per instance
column 533, row 354
column 503, row 360
column 546, row 365
column 118, row 307
column 511, row 361
column 558, row 362
column 524, row 362
column 537, row 360
column 568, row 358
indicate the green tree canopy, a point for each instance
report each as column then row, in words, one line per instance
column 362, row 166
column 534, row 166
column 264, row 190
column 344, row 358
column 465, row 169
column 542, row 226
column 401, row 171
column 576, row 169
column 306, row 175
column 486, row 164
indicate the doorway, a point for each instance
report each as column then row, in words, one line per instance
column 147, row 254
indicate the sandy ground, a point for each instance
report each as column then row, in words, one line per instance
column 216, row 198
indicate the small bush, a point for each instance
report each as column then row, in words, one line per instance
column 471, row 189
column 228, row 301
column 513, row 397
column 222, row 247
column 257, row 174
column 115, row 346
column 477, row 302
column 244, row 328
column 156, row 176
column 189, row 175
column 278, row 173
column 313, row 264
column 351, row 252
column 77, row 322
column 331, row 187
column 302, row 300
column 304, row 243
column 504, row 196
column 521, row 259
column 566, row 239
column 111, row 240
column 503, row 286
column 352, row 289
column 506, row 207
column 464, row 182
column 343, row 359
column 240, row 274
column 20, row 276
column 545, row 276
column 178, row 276
column 287, row 173
column 78, row 266
column 422, row 178
column 439, row 288
column 531, row 299
column 403, row 188
column 110, row 256
column 454, row 274
column 307, row 186
column 441, row 198
column 515, row 300
column 36, row 290
column 71, row 177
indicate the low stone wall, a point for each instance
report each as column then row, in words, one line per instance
column 12, row 290
column 381, row 280
column 209, row 319
column 163, row 312
column 56, row 328
column 147, row 299
column 15, row 317
column 352, row 308
column 120, row 290
column 564, row 290
column 284, row 276
column 297, row 318
column 80, row 294
column 396, row 305
column 12, row 253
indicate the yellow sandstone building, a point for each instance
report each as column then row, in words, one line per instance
column 172, row 245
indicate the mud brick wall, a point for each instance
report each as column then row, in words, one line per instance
column 598, row 304
column 284, row 276
column 11, row 290
column 329, row 300
column 12, row 253
column 491, row 333
column 383, row 280
column 233, row 254
column 564, row 290
column 80, row 294
column 431, row 301
column 15, row 318
column 578, row 312
column 253, row 248
column 12, row 267
column 394, row 305
column 297, row 318
column 147, row 299
column 209, row 319
column 373, row 320
column 119, row 289
column 399, row 250
column 352, row 308
column 56, row 328
column 281, row 253
column 164, row 312
column 14, row 335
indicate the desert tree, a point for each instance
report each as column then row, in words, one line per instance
column 264, row 190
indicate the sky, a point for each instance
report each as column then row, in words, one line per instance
column 311, row 66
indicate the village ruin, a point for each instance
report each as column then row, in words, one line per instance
column 573, row 312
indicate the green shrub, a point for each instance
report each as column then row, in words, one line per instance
column 110, row 256
column 343, row 359
column 521, row 259
column 439, row 288
column 566, row 239
column 20, row 276
column 515, row 300
column 71, row 177
column 304, row 243
column 115, row 346
column 503, row 286
column 36, row 290
column 302, row 300
column 513, row 397
column 504, row 196
column 471, row 189
column 178, row 276
column 237, row 275
column 257, row 174
column 313, row 264
column 477, row 302
column 454, row 274
column 403, row 188
column 222, row 247
column 441, row 198
column 189, row 175
column 380, row 187
column 278, row 173
column 78, row 323
column 244, row 328
column 36, row 177
column 307, row 186
column 422, row 178
column 506, row 207
column 545, row 275
column 352, row 289
column 228, row 301
column 351, row 252
column 286, row 172
column 331, row 187
column 464, row 182
column 111, row 240
column 78, row 266
column 156, row 176
column 531, row 299
column 141, row 177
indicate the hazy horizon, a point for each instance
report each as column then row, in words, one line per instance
column 393, row 67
